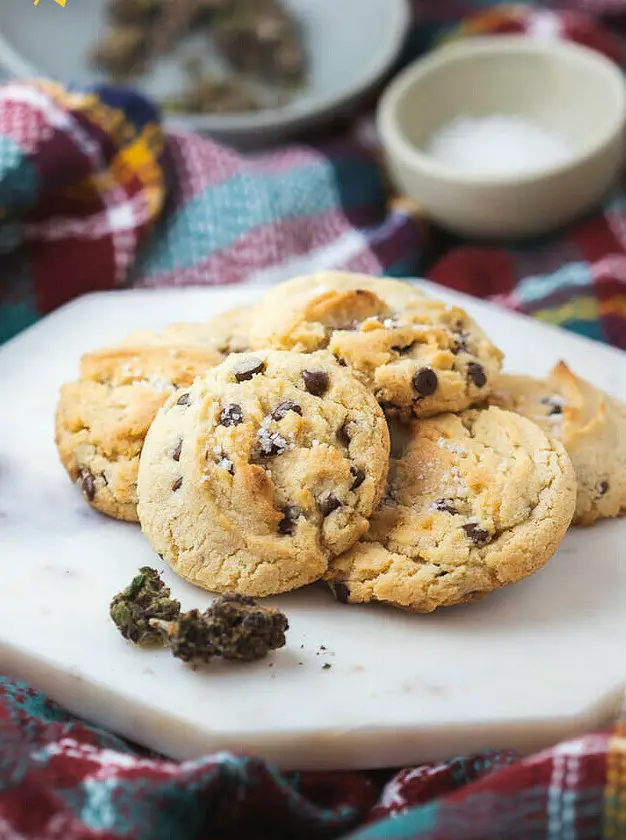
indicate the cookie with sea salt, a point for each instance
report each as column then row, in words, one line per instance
column 102, row 419
column 225, row 333
column 474, row 502
column 253, row 478
column 590, row 424
column 418, row 356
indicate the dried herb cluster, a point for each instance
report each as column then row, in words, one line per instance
column 233, row 627
column 258, row 40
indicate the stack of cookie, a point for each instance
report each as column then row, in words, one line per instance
column 347, row 428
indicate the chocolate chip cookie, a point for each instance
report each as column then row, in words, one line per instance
column 418, row 356
column 474, row 502
column 591, row 425
column 102, row 419
column 225, row 333
column 253, row 478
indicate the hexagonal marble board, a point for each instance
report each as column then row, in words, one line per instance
column 524, row 667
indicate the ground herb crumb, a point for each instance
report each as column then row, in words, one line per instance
column 326, row 666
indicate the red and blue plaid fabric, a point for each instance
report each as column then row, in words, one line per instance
column 95, row 195
column 61, row 779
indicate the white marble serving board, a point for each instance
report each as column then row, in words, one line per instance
column 526, row 666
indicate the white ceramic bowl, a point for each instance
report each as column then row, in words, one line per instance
column 351, row 44
column 565, row 87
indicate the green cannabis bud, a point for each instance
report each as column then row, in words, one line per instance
column 233, row 627
column 146, row 598
column 134, row 11
column 121, row 51
column 241, row 629
column 188, row 637
column 262, row 39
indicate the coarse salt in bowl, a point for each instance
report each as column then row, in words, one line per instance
column 498, row 144
column 505, row 136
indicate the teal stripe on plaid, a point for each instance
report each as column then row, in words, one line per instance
column 20, row 182
column 15, row 318
column 18, row 308
column 590, row 329
column 403, row 269
column 418, row 822
column 186, row 238
column 615, row 200
column 572, row 276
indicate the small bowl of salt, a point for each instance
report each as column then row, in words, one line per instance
column 505, row 136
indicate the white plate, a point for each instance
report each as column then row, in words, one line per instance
column 351, row 44
column 524, row 667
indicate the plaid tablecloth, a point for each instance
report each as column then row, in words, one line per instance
column 95, row 195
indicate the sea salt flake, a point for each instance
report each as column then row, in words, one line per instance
column 155, row 382
column 271, row 443
column 458, row 450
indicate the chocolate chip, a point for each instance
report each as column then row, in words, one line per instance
column 343, row 435
column 177, row 485
column 425, row 382
column 231, row 415
column 284, row 408
column 88, row 485
column 177, row 450
column 184, row 399
column 603, row 487
column 476, row 374
column 460, row 343
column 445, row 505
column 555, row 407
column 316, row 382
column 359, row 477
column 329, row 504
column 476, row 535
column 341, row 592
column 405, row 348
column 287, row 524
column 248, row 368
